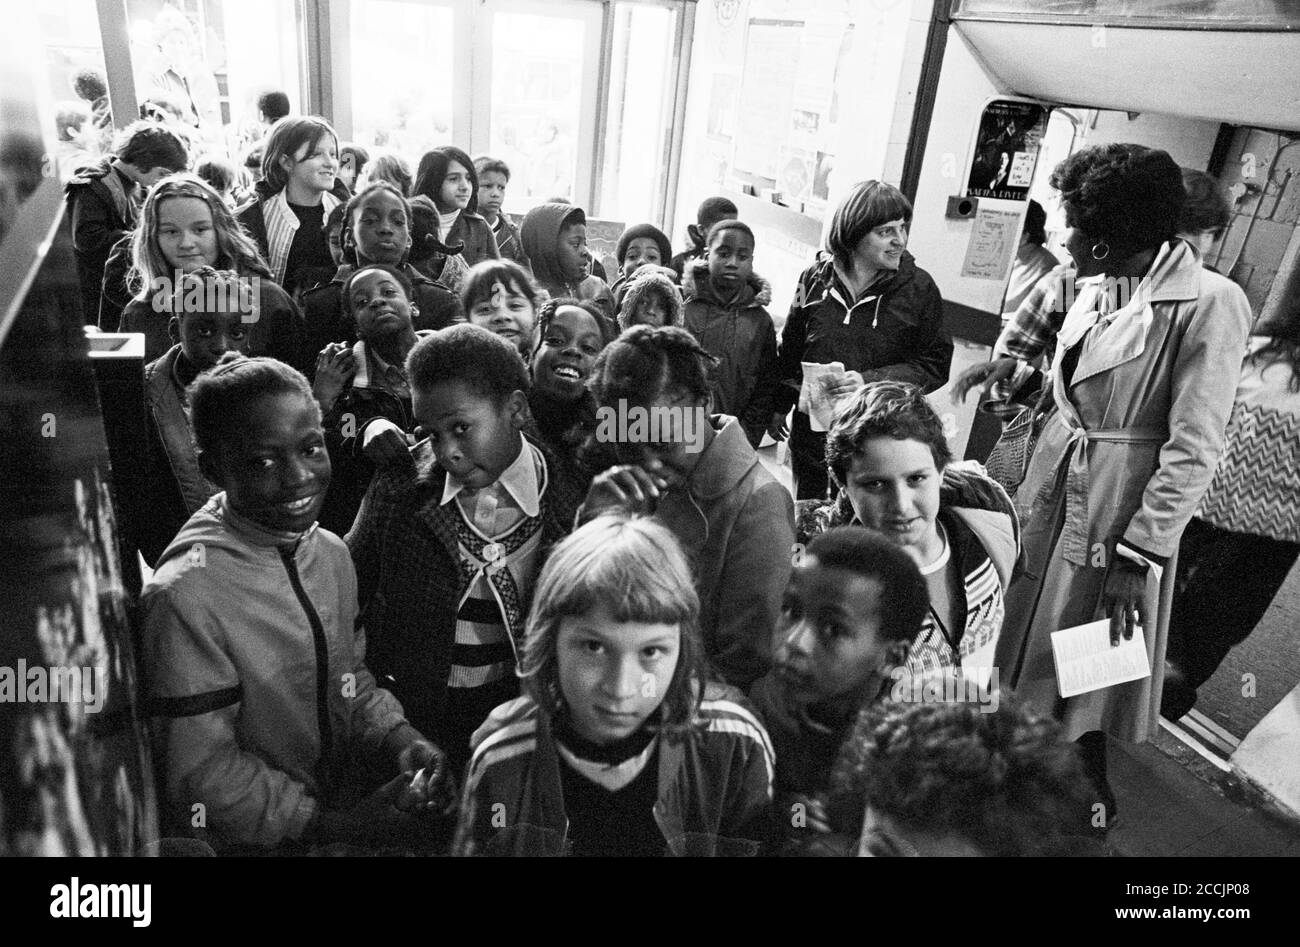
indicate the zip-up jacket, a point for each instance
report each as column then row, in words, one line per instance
column 101, row 210
column 894, row 332
column 984, row 536
column 411, row 583
column 324, row 320
column 176, row 486
column 714, row 778
column 256, row 677
column 741, row 335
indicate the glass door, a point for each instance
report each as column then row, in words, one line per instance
column 403, row 61
column 536, row 79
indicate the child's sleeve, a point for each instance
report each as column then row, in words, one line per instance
column 194, row 697
column 754, row 573
column 794, row 338
column 376, row 719
column 767, row 386
column 283, row 328
column 749, row 809
column 92, row 230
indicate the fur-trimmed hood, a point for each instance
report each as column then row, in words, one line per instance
column 646, row 280
column 695, row 285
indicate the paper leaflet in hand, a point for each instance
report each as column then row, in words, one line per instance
column 1086, row 661
column 815, row 398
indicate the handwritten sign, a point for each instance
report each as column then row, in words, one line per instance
column 992, row 241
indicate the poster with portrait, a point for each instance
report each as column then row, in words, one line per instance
column 1006, row 150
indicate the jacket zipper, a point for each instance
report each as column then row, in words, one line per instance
column 289, row 558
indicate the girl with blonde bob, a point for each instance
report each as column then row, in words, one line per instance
column 184, row 227
column 619, row 746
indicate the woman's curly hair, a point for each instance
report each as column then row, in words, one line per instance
column 1004, row 780
column 1128, row 196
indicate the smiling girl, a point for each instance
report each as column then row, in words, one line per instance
column 299, row 188
column 499, row 296
column 571, row 333
column 619, row 746
column 447, row 177
column 185, row 226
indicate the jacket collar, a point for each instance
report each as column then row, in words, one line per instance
column 256, row 534
column 697, row 285
column 725, row 462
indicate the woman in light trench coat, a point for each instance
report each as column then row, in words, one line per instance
column 1146, row 368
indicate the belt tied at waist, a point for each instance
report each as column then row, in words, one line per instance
column 1074, row 534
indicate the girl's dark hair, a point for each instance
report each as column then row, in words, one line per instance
column 884, row 409
column 404, row 281
column 483, row 275
column 218, row 172
column 1284, row 342
column 1127, row 196
column 634, row 567
column 148, row 144
column 354, row 204
column 1004, row 780
column 433, row 171
column 867, row 205
column 1205, row 207
column 221, row 397
column 1035, row 223
column 286, row 137
column 483, row 361
column 904, row 596
column 645, row 360
column 608, row 331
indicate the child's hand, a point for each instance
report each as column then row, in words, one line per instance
column 335, row 366
column 432, row 788
column 629, row 488
column 385, row 442
column 777, row 429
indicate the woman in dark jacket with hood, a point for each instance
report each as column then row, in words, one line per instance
column 867, row 305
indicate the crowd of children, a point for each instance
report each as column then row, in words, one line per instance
column 459, row 547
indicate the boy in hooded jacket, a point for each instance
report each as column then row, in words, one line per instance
column 554, row 236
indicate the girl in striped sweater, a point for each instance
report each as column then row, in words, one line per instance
column 618, row 747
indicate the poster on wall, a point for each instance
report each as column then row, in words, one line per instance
column 767, row 94
column 1006, row 150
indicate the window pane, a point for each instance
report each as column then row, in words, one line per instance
column 204, row 67
column 640, row 113
column 83, row 121
column 402, row 76
column 537, row 65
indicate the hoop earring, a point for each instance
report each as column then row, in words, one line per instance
column 1105, row 252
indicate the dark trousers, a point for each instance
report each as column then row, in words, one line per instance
column 1224, row 585
column 808, row 460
